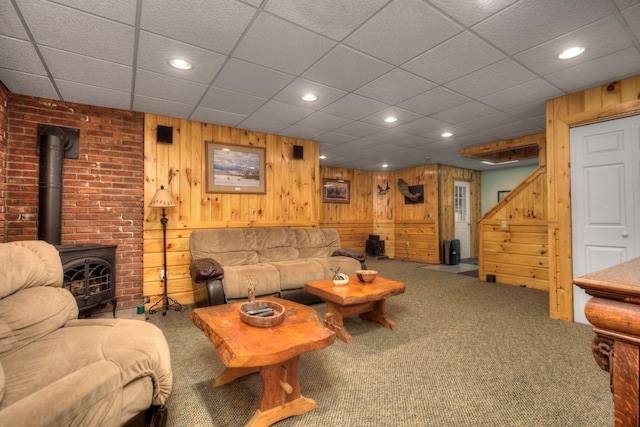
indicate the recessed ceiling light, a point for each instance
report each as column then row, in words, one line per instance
column 446, row 135
column 391, row 119
column 180, row 64
column 571, row 53
column 309, row 97
column 385, row 165
column 323, row 157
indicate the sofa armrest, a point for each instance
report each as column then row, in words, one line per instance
column 208, row 293
column 205, row 269
column 352, row 253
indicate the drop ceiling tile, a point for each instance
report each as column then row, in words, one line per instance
column 354, row 107
column 335, row 138
column 92, row 95
column 600, row 38
column 395, row 86
column 389, row 136
column 454, row 58
column 28, row 84
column 516, row 129
column 513, row 30
column 155, row 52
column 241, row 76
column 402, row 30
column 224, row 118
column 255, row 3
column 346, row 69
column 334, row 19
column 492, row 120
column 169, row 88
column 403, row 117
column 437, row 99
column 214, row 28
column 464, row 113
column 534, row 109
column 292, row 94
column 323, row 121
column 85, row 70
column 262, row 125
column 277, row 44
column 83, row 33
column 531, row 91
column 471, row 12
column 623, row 63
column 413, row 142
column 10, row 24
column 623, row 4
column 302, row 132
column 20, row 55
column 458, row 132
column 421, row 126
column 119, row 10
column 162, row 107
column 494, row 78
column 230, row 101
column 281, row 112
column 359, row 129
column 632, row 17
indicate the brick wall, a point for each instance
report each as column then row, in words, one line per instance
column 102, row 190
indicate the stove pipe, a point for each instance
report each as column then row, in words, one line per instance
column 52, row 140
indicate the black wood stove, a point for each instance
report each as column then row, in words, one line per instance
column 90, row 275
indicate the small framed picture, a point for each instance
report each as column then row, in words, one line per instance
column 235, row 169
column 336, row 190
column 502, row 194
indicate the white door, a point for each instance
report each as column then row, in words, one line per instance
column 605, row 193
column 463, row 224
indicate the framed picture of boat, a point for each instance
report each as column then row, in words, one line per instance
column 234, row 168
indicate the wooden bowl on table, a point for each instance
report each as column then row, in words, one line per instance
column 262, row 321
column 366, row 276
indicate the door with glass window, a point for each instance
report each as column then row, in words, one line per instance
column 462, row 217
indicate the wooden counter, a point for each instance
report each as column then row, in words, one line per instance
column 614, row 312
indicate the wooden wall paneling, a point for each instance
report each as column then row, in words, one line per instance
column 181, row 168
column 608, row 101
column 386, row 229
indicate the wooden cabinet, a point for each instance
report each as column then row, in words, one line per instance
column 614, row 311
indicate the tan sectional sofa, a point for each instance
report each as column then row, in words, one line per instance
column 58, row 370
column 280, row 260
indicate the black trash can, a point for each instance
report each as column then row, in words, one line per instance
column 451, row 251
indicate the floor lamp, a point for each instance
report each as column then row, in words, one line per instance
column 162, row 199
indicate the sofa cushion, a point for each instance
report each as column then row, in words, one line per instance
column 314, row 243
column 297, row 272
column 32, row 313
column 28, row 264
column 236, row 280
column 276, row 244
column 228, row 246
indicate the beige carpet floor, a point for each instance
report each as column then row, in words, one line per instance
column 466, row 353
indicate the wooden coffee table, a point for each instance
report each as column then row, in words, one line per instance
column 365, row 299
column 274, row 352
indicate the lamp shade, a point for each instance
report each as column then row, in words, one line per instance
column 162, row 199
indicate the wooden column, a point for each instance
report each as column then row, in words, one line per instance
column 614, row 312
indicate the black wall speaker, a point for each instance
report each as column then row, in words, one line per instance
column 298, row 152
column 165, row 134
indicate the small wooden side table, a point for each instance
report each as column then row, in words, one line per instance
column 614, row 312
column 274, row 352
column 365, row 299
